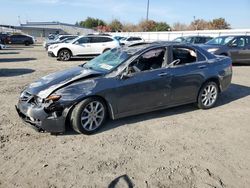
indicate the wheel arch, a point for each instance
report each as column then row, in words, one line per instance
column 64, row 48
column 211, row 79
column 110, row 109
column 106, row 49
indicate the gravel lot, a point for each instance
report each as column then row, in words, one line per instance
column 179, row 147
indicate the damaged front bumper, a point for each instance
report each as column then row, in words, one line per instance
column 42, row 118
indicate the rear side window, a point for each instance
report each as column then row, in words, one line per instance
column 200, row 56
column 100, row 39
column 199, row 40
column 184, row 54
column 239, row 42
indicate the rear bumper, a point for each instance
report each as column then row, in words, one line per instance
column 38, row 119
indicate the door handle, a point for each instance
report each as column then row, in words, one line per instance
column 202, row 66
column 163, row 74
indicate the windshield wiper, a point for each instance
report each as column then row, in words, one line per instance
column 86, row 67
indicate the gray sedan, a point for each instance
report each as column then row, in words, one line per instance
column 122, row 82
column 236, row 47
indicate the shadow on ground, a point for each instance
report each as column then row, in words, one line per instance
column 8, row 53
column 14, row 72
column 14, row 60
column 121, row 181
column 234, row 92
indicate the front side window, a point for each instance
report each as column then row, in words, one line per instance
column 150, row 60
column 239, row 42
column 189, row 40
column 184, row 55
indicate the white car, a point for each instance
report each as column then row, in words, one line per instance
column 82, row 46
column 131, row 40
column 57, row 39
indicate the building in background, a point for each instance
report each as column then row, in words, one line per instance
column 9, row 29
column 43, row 29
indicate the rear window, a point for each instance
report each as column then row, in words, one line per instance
column 100, row 39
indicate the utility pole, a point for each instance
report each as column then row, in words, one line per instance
column 195, row 24
column 147, row 11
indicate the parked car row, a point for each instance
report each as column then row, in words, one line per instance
column 86, row 46
column 236, row 47
column 193, row 39
column 16, row 39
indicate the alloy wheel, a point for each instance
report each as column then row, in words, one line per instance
column 64, row 55
column 209, row 95
column 92, row 116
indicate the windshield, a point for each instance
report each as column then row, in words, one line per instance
column 108, row 60
column 220, row 40
column 124, row 38
column 75, row 39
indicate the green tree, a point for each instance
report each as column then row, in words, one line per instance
column 220, row 23
column 92, row 23
column 162, row 26
column 145, row 25
column 115, row 25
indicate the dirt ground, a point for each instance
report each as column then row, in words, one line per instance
column 179, row 147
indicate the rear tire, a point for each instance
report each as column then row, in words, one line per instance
column 88, row 116
column 208, row 95
column 64, row 55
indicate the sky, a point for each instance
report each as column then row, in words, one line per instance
column 237, row 13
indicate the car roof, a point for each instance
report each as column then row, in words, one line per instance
column 144, row 46
column 232, row 36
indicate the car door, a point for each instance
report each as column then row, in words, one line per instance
column 238, row 49
column 82, row 46
column 99, row 44
column 15, row 39
column 142, row 91
column 187, row 75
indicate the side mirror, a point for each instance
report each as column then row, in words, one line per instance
column 175, row 62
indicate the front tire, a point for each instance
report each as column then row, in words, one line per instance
column 89, row 115
column 26, row 43
column 64, row 55
column 208, row 95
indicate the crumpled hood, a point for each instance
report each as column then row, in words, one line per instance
column 48, row 84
